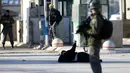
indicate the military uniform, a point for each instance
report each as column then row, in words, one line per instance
column 95, row 43
column 94, row 40
column 7, row 22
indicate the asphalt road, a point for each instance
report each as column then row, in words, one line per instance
column 47, row 63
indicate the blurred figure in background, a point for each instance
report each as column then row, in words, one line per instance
column 7, row 21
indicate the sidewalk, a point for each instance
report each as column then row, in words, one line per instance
column 80, row 49
column 24, row 48
column 16, row 44
column 59, row 49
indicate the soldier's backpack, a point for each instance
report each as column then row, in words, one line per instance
column 106, row 29
column 105, row 32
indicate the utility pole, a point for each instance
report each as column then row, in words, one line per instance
column 0, row 6
column 46, row 25
column 25, row 9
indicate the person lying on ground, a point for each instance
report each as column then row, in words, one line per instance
column 72, row 56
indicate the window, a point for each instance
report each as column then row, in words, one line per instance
column 10, row 2
column 105, row 10
column 114, row 9
column 104, row 4
column 85, row 1
column 17, row 2
column 5, row 1
column 103, row 1
column 41, row 2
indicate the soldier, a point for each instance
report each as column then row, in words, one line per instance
column 94, row 40
column 92, row 34
column 53, row 19
column 7, row 22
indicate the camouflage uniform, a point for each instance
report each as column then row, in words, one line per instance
column 94, row 40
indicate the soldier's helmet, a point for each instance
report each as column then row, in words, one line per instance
column 94, row 4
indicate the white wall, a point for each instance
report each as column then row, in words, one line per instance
column 128, row 9
column 36, row 31
column 63, row 30
column 117, row 35
column 25, row 21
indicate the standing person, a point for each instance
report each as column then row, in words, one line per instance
column 7, row 21
column 93, row 38
column 53, row 19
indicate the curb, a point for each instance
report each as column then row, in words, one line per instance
column 102, row 51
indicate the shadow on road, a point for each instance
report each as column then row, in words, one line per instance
column 116, row 62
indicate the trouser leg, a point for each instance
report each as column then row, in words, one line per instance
column 4, row 37
column 50, row 35
column 54, row 29
column 95, row 60
column 11, row 37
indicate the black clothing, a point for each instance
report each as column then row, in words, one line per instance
column 7, row 22
column 72, row 56
column 53, row 18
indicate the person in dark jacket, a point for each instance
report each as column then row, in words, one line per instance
column 7, row 22
column 53, row 19
column 72, row 56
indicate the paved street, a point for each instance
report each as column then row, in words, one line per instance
column 40, row 62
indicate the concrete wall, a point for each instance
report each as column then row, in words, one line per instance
column 117, row 35
column 126, row 29
column 63, row 30
column 36, row 31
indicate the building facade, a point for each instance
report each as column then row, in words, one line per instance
column 24, row 10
